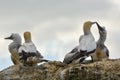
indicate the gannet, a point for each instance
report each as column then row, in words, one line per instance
column 87, row 45
column 102, row 51
column 28, row 51
column 14, row 46
column 68, row 56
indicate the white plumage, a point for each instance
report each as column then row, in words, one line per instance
column 87, row 45
column 29, row 53
column 28, row 48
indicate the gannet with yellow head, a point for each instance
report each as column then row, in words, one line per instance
column 28, row 51
column 87, row 41
column 102, row 51
column 14, row 46
column 87, row 45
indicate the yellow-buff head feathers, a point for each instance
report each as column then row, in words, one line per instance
column 27, row 36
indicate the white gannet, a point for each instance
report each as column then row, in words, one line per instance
column 14, row 46
column 102, row 51
column 87, row 45
column 28, row 52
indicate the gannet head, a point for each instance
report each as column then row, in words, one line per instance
column 27, row 36
column 15, row 37
column 102, row 33
column 87, row 25
column 100, row 28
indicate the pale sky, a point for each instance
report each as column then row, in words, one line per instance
column 56, row 25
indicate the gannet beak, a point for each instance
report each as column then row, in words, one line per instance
column 93, row 22
column 99, row 27
column 8, row 37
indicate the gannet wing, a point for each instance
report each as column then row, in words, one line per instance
column 74, row 50
column 77, row 54
column 68, row 56
column 44, row 60
column 85, row 48
column 74, row 56
column 39, row 54
column 71, row 57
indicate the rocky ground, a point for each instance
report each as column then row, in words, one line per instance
column 56, row 70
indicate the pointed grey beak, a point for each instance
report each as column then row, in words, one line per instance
column 8, row 37
column 99, row 27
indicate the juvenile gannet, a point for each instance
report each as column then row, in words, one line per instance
column 14, row 46
column 28, row 52
column 87, row 45
column 102, row 51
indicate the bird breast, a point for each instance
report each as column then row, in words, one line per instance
column 28, row 47
column 87, row 43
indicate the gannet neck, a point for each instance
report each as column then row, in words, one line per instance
column 14, row 45
column 103, row 35
column 27, row 36
column 102, row 39
column 17, row 39
column 86, row 31
column 87, row 26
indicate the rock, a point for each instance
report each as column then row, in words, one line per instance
column 56, row 70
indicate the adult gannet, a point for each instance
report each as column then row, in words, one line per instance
column 102, row 51
column 28, row 52
column 14, row 46
column 87, row 45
